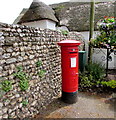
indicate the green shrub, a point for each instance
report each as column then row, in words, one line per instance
column 111, row 83
column 92, row 76
column 86, row 80
column 93, row 79
column 96, row 70
column 106, row 36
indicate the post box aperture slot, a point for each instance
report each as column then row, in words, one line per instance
column 73, row 50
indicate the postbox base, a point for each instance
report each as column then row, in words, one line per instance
column 69, row 97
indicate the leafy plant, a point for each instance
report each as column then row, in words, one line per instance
column 2, row 92
column 65, row 32
column 91, row 77
column 6, row 85
column 96, row 70
column 111, row 83
column 41, row 73
column 24, row 82
column 86, row 80
column 19, row 68
column 104, row 40
column 107, row 36
column 38, row 63
column 108, row 19
column 25, row 103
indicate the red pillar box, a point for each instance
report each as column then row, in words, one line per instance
column 69, row 64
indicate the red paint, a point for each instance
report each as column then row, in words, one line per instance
column 69, row 49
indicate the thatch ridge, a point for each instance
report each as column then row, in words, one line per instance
column 38, row 11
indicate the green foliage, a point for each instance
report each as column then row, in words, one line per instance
column 111, row 83
column 93, row 73
column 25, row 103
column 41, row 73
column 38, row 63
column 96, row 70
column 6, row 85
column 19, row 68
column 65, row 32
column 86, row 80
column 24, row 82
column 108, row 19
column 93, row 79
column 2, row 92
column 102, row 40
column 106, row 36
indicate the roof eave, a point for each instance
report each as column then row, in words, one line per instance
column 20, row 22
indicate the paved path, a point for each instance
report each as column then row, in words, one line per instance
column 88, row 106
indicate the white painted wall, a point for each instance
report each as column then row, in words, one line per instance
column 85, row 34
column 51, row 24
column 62, row 28
column 100, row 56
column 114, row 61
column 86, row 38
column 44, row 24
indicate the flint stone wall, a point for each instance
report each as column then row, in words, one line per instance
column 24, row 46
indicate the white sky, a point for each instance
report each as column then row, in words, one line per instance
column 10, row 9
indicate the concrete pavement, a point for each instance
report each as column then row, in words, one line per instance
column 88, row 106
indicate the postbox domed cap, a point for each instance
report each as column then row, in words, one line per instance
column 69, row 43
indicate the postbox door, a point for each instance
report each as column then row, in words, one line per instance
column 74, row 71
column 70, row 70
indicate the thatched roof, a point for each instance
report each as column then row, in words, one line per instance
column 75, row 15
column 38, row 11
column 20, row 15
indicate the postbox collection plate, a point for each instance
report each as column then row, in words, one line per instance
column 73, row 62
